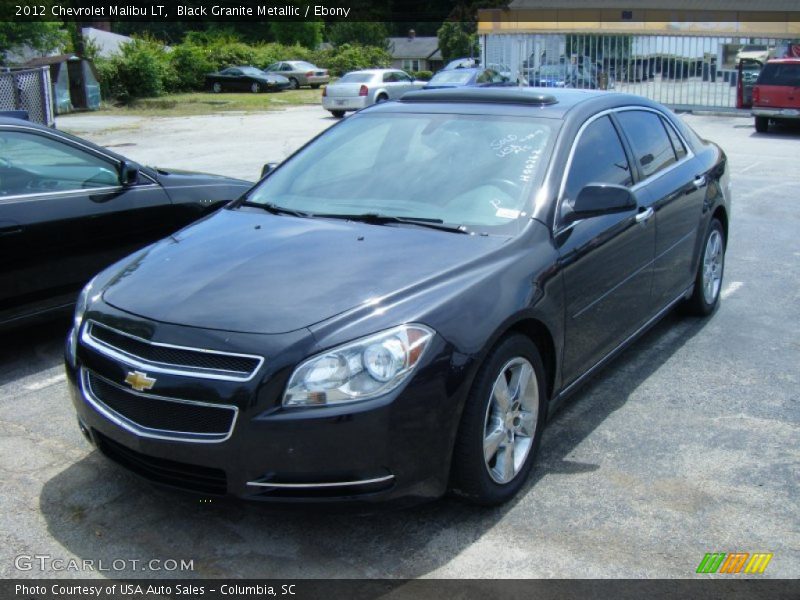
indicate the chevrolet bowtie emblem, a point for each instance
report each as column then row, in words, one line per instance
column 139, row 381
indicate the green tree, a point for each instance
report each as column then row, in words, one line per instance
column 358, row 32
column 42, row 36
column 305, row 33
column 457, row 39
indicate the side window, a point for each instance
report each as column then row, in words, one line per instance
column 404, row 77
column 286, row 67
column 598, row 158
column 651, row 146
column 36, row 164
column 389, row 77
column 677, row 143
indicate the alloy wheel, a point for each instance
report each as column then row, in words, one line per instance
column 713, row 258
column 511, row 417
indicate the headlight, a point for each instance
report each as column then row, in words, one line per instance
column 360, row 370
column 81, row 305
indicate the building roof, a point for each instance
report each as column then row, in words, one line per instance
column 45, row 61
column 107, row 43
column 415, row 47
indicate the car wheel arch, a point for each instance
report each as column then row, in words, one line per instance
column 722, row 216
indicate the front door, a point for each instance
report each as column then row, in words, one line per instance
column 606, row 260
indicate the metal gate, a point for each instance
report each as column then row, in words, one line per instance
column 29, row 90
column 681, row 71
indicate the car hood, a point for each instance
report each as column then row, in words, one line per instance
column 249, row 271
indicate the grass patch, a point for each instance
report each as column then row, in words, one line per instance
column 202, row 103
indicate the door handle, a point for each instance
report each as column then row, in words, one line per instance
column 645, row 215
column 699, row 181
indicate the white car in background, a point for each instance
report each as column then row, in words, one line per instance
column 359, row 89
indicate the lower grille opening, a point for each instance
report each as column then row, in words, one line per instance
column 193, row 478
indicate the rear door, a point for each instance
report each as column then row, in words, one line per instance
column 677, row 187
column 607, row 260
column 66, row 216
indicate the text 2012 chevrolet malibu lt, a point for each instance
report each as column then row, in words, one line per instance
column 394, row 311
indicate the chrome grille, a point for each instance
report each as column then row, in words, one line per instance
column 168, row 358
column 149, row 415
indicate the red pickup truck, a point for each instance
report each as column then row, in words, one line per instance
column 776, row 94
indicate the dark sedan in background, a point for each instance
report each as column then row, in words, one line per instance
column 562, row 75
column 245, row 79
column 462, row 77
column 69, row 208
column 396, row 309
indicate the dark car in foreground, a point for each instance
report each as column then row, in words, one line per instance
column 395, row 310
column 69, row 208
column 245, row 79
column 462, row 77
column 776, row 94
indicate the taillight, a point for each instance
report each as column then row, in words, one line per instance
column 324, row 90
column 310, row 74
column 756, row 95
column 363, row 91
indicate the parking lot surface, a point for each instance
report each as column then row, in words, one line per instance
column 687, row 444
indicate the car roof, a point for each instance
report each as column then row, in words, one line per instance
column 517, row 101
column 372, row 71
column 11, row 122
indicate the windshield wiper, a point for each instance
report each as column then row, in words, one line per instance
column 377, row 219
column 275, row 209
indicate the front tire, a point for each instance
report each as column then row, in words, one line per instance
column 708, row 281
column 216, row 88
column 255, row 88
column 501, row 425
column 762, row 124
column 293, row 83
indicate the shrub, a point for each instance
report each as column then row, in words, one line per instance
column 224, row 53
column 266, row 54
column 141, row 70
column 190, row 63
column 422, row 75
column 351, row 57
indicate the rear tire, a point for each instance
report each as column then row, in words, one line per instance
column 338, row 113
column 708, row 281
column 501, row 425
column 315, row 86
column 381, row 98
column 762, row 124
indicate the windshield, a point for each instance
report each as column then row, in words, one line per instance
column 753, row 48
column 357, row 78
column 475, row 171
column 455, row 76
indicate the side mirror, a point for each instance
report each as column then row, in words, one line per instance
column 128, row 173
column 598, row 199
column 267, row 169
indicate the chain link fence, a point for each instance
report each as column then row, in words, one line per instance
column 28, row 90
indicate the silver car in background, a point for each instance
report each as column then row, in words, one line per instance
column 299, row 72
column 359, row 89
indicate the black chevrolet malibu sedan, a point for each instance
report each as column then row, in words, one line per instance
column 69, row 208
column 396, row 309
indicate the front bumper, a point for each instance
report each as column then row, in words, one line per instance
column 777, row 113
column 393, row 448
column 347, row 103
